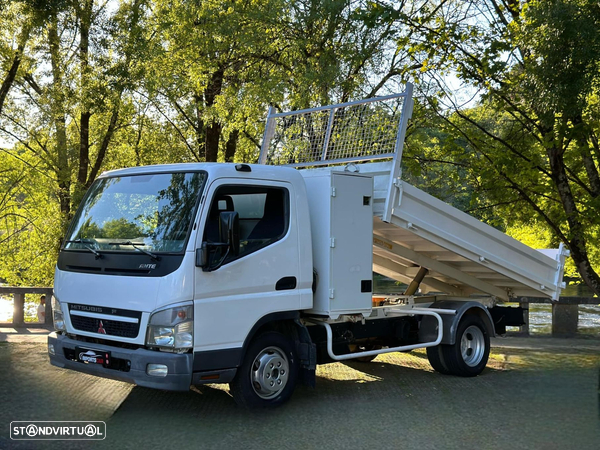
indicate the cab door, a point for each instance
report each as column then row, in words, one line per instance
column 260, row 280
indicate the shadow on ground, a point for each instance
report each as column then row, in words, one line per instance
column 524, row 399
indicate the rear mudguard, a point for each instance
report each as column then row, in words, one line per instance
column 428, row 327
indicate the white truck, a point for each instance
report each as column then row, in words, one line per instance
column 186, row 274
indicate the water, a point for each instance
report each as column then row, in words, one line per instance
column 6, row 309
column 540, row 319
column 540, row 315
column 7, row 305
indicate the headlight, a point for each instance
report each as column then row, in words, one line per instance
column 172, row 328
column 57, row 315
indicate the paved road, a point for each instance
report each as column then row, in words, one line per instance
column 542, row 395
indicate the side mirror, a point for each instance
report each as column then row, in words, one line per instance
column 202, row 255
column 229, row 237
column 229, row 231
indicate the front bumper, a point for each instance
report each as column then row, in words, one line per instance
column 179, row 377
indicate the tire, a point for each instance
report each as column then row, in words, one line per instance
column 468, row 356
column 436, row 359
column 268, row 375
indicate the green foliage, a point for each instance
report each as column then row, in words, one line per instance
column 530, row 146
column 562, row 43
column 29, row 223
column 103, row 85
column 434, row 162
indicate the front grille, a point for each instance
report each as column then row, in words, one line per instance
column 93, row 340
column 112, row 327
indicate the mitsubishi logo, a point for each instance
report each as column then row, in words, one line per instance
column 101, row 329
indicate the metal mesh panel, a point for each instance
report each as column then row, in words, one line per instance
column 356, row 131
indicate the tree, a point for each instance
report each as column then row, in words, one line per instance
column 89, row 86
column 29, row 221
column 533, row 141
column 20, row 18
column 76, row 103
column 66, row 105
column 220, row 64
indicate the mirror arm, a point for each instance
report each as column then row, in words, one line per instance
column 203, row 259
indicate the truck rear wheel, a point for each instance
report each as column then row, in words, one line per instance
column 267, row 377
column 468, row 356
column 436, row 359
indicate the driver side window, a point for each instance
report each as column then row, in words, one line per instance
column 263, row 216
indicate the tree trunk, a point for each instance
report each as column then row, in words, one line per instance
column 84, row 15
column 582, row 262
column 112, row 125
column 59, row 118
column 590, row 166
column 136, row 147
column 118, row 94
column 199, row 128
column 213, row 131
column 12, row 71
column 577, row 240
column 84, row 147
column 231, row 146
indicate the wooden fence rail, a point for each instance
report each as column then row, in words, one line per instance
column 565, row 313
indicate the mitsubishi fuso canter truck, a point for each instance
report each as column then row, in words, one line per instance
column 252, row 274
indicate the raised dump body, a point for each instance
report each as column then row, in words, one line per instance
column 463, row 255
column 411, row 229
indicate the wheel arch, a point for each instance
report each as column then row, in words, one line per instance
column 288, row 323
column 285, row 322
column 428, row 328
column 279, row 321
column 231, row 358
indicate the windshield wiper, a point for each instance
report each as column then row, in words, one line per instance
column 96, row 253
column 134, row 245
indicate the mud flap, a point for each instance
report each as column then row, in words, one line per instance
column 307, row 354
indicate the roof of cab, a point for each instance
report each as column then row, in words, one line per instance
column 215, row 170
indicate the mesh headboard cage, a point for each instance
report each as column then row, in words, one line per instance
column 348, row 132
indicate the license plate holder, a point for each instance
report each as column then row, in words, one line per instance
column 92, row 356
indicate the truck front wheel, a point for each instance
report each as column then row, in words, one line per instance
column 267, row 377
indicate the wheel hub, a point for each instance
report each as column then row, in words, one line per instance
column 269, row 372
column 472, row 346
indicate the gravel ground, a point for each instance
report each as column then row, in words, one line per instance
column 540, row 394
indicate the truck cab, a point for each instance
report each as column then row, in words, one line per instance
column 149, row 290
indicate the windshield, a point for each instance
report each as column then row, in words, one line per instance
column 151, row 213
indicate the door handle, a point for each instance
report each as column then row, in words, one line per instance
column 286, row 284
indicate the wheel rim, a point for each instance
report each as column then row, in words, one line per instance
column 472, row 346
column 269, row 372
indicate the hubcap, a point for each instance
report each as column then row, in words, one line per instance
column 472, row 346
column 269, row 372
